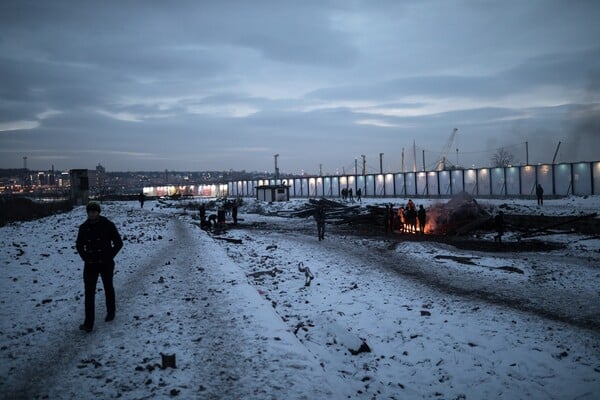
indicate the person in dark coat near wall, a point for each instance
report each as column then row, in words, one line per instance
column 539, row 193
column 98, row 242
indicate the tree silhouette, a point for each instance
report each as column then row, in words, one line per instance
column 502, row 158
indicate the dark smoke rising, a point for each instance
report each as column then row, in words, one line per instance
column 583, row 125
column 583, row 142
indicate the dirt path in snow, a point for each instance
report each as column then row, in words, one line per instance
column 177, row 300
column 63, row 348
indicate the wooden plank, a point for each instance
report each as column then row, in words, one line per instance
column 547, row 227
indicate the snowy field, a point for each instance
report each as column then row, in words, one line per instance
column 382, row 319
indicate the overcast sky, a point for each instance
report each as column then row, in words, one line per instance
column 219, row 85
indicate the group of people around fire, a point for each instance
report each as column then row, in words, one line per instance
column 406, row 218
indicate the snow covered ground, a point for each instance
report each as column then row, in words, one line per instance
column 382, row 318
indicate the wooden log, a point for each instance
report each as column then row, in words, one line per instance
column 327, row 203
column 569, row 221
column 307, row 273
column 358, row 219
column 471, row 226
column 230, row 240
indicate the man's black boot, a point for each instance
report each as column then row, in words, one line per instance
column 85, row 328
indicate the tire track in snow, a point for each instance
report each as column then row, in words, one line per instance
column 556, row 306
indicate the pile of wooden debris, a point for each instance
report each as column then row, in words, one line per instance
column 460, row 216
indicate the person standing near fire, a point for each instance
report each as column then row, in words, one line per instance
column 98, row 242
column 411, row 218
column 402, row 219
column 422, row 217
column 389, row 218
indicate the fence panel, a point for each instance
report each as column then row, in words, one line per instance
column 370, row 185
column 513, row 186
column 421, row 183
column 378, row 185
column 484, row 187
column 335, row 186
column 562, row 180
column 528, row 180
column 498, row 182
column 319, row 187
column 470, row 178
column 389, row 184
column 411, row 188
column 312, row 187
column 582, row 179
column 306, row 187
column 400, row 190
column 544, row 178
column 326, row 184
column 359, row 183
column 296, row 191
column 445, row 188
column 457, row 181
column 432, row 183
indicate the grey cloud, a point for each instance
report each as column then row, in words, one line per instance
column 555, row 69
column 180, row 68
column 285, row 32
column 564, row 69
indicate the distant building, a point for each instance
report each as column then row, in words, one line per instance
column 80, row 186
column 273, row 193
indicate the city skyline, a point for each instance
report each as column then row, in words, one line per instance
column 197, row 86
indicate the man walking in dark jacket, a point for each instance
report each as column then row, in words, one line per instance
column 98, row 242
column 320, row 218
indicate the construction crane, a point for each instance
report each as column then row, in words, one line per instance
column 443, row 163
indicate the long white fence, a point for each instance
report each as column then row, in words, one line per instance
column 581, row 178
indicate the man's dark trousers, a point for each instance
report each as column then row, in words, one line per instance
column 90, row 279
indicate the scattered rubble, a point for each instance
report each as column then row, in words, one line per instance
column 461, row 221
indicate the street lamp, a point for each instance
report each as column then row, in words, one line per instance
column 276, row 168
column 364, row 164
